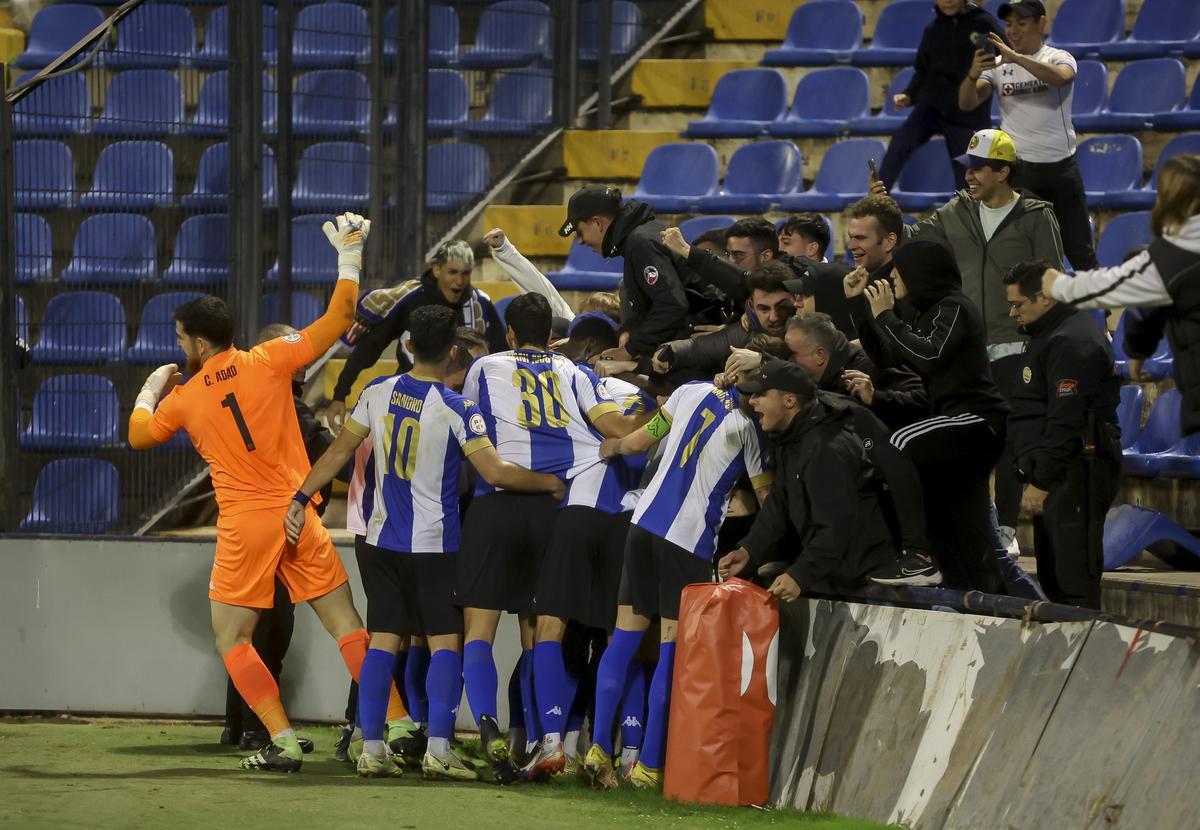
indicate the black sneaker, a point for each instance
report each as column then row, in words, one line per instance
column 495, row 747
column 504, row 772
column 341, row 751
column 229, row 736
column 410, row 748
column 274, row 758
column 306, row 746
column 912, row 569
column 253, row 739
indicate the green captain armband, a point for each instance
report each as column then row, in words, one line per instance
column 658, row 426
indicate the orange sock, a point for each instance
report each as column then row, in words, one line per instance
column 257, row 687
column 354, row 650
column 395, row 710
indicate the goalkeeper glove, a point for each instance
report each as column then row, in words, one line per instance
column 161, row 381
column 347, row 238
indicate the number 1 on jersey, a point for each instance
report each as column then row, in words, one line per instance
column 230, row 402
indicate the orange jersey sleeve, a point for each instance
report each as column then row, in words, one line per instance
column 326, row 329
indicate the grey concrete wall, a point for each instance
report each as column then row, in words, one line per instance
column 122, row 626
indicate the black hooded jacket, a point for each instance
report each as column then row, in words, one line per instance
column 937, row 332
column 900, row 397
column 943, row 60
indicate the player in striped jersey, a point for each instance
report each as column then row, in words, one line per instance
column 420, row 432
column 544, row 411
column 710, row 442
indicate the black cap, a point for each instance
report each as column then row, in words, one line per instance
column 588, row 201
column 805, row 285
column 1025, row 8
column 781, row 375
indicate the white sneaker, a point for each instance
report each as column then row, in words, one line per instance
column 1008, row 540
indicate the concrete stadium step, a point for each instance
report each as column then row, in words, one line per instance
column 609, row 155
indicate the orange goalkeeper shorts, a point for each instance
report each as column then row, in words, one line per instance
column 252, row 549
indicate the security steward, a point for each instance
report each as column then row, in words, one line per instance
column 1065, row 437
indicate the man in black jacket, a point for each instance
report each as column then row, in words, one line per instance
column 1065, row 435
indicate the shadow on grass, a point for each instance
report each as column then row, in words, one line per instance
column 76, row 775
column 211, row 749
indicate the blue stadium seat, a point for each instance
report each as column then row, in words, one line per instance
column 155, row 343
column 825, row 103
column 501, row 305
column 1121, row 233
column 819, row 35
column 676, row 177
column 1180, row 460
column 927, row 179
column 843, row 177
column 448, row 102
column 153, row 36
column 1185, row 118
column 333, row 175
column 22, row 322
column 58, row 106
column 691, row 228
column 45, row 174
column 212, row 108
column 744, row 103
column 586, row 270
column 1129, row 530
column 1082, row 27
column 142, row 102
column 443, row 35
column 1110, row 164
column 1090, row 91
column 56, row 29
column 626, row 29
column 1145, row 197
column 897, row 34
column 1163, row 27
column 1129, row 414
column 305, row 309
column 314, row 262
column 112, row 249
column 331, row 102
column 211, row 191
column 510, row 33
column 1142, row 90
column 201, row 254
column 73, row 413
column 329, row 35
column 522, row 103
column 1162, row 432
column 132, row 175
column 455, row 175
column 889, row 118
column 81, row 327
column 34, row 249
column 75, row 495
column 214, row 54
column 1157, row 367
column 759, row 173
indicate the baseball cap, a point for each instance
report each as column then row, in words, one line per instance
column 988, row 145
column 588, row 201
column 781, row 375
column 805, row 285
column 1024, row 8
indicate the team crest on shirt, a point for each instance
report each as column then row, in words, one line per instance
column 651, row 275
column 477, row 425
column 603, row 394
column 1027, row 374
column 868, row 444
column 294, row 337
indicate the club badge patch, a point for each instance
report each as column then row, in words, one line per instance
column 602, row 393
column 294, row 337
column 477, row 425
column 1027, row 374
column 651, row 275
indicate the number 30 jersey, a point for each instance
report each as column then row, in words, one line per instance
column 710, row 444
column 538, row 407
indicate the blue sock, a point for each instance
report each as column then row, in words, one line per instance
column 632, row 712
column 374, row 682
column 443, row 685
column 658, row 708
column 414, row 683
column 533, row 728
column 610, row 683
column 516, row 710
column 479, row 673
column 550, row 687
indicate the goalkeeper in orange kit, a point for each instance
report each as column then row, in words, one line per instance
column 237, row 408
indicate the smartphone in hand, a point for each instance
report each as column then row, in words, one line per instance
column 873, row 168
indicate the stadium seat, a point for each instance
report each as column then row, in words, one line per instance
column 927, row 179
column 45, row 174
column 56, row 29
column 819, row 35
column 81, row 327
column 1142, row 90
column 211, row 191
column 1090, row 90
column 455, row 175
column 510, row 33
column 676, row 177
column 586, row 270
column 1145, row 197
column 328, row 35
column 22, row 322
column 1162, row 432
column 112, row 249
column 214, row 54
column 132, row 175
column 1129, row 530
column 1163, row 27
column 522, row 102
column 201, row 256
column 889, row 118
column 331, row 102
column 501, row 306
column 333, row 175
column 843, row 177
column 1186, row 117
column 744, row 103
column 143, row 103
column 1129, row 414
column 153, row 36
column 825, row 103
column 1110, row 164
column 73, row 413
column 1083, row 27
column 1157, row 367
column 314, row 261
column 305, row 309
column 155, row 343
column 448, row 102
column 897, row 35
column 691, row 228
column 212, row 109
column 57, row 106
column 759, row 173
column 443, row 35
column 626, row 29
column 75, row 495
column 1121, row 233
column 34, row 249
